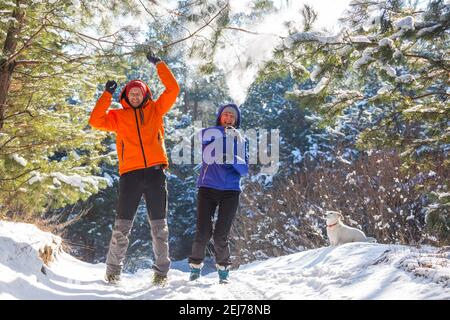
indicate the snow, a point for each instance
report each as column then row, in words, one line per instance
column 420, row 108
column 442, row 195
column 405, row 78
column 397, row 54
column 389, row 70
column 19, row 159
column 56, row 182
column 301, row 37
column 316, row 90
column 350, row 271
column 75, row 155
column 340, row 158
column 311, row 36
column 365, row 58
column 360, row 39
column 9, row 4
column 78, row 181
column 385, row 89
column 428, row 30
column 36, row 178
column 297, row 156
column 386, row 42
column 315, row 72
column 406, row 23
column 109, row 179
column 341, row 95
column 398, row 34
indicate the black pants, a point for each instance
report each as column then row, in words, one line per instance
column 207, row 201
column 149, row 182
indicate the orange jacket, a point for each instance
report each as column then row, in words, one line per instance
column 139, row 134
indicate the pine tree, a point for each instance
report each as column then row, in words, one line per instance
column 50, row 68
column 389, row 61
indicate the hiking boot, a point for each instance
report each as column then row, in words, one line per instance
column 159, row 280
column 112, row 278
column 195, row 271
column 224, row 274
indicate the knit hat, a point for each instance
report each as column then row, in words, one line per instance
column 231, row 110
column 136, row 84
column 230, row 107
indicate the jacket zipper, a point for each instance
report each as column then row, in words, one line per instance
column 123, row 149
column 204, row 172
column 140, row 139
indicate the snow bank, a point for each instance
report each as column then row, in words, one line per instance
column 25, row 252
column 350, row 271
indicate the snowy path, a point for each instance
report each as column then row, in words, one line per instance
column 351, row 271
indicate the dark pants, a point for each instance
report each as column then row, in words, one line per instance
column 151, row 183
column 207, row 201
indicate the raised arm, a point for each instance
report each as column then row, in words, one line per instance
column 168, row 97
column 100, row 119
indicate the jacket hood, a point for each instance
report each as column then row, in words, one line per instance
column 123, row 99
column 238, row 112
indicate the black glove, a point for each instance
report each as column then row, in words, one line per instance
column 152, row 58
column 111, row 86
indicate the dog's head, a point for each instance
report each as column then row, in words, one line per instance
column 333, row 217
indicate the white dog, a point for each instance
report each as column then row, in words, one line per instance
column 339, row 233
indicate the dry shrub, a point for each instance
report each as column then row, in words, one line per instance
column 372, row 193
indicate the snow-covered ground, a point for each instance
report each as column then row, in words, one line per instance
column 351, row 271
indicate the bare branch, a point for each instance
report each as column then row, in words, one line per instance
column 430, row 94
column 26, row 45
column 20, row 175
column 198, row 30
column 19, row 113
column 148, row 11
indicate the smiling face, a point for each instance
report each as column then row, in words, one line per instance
column 332, row 217
column 227, row 119
column 135, row 97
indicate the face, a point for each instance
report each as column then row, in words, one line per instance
column 227, row 119
column 135, row 97
column 332, row 217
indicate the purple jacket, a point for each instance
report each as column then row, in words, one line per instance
column 227, row 175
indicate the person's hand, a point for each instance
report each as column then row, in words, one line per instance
column 111, row 86
column 229, row 130
column 232, row 131
column 152, row 58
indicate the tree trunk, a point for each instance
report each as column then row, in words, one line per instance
column 195, row 111
column 186, row 102
column 7, row 67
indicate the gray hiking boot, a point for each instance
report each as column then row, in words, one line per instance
column 159, row 280
column 112, row 278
